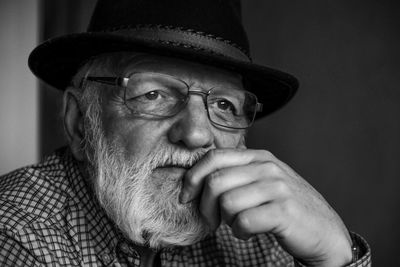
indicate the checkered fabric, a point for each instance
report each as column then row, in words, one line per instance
column 48, row 217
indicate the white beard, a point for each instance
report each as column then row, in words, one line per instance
column 143, row 205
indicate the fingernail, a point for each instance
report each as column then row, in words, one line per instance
column 184, row 197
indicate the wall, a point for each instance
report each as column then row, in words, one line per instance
column 341, row 132
column 18, row 90
column 59, row 17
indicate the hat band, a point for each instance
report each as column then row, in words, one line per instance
column 187, row 38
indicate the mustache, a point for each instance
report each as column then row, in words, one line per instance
column 173, row 157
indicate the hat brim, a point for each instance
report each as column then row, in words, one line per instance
column 57, row 60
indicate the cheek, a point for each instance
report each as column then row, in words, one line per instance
column 135, row 138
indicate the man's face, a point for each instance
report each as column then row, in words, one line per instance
column 139, row 180
column 190, row 129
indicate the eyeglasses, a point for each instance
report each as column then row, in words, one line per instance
column 161, row 96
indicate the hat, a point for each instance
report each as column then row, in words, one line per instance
column 204, row 31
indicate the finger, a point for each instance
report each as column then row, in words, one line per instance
column 222, row 181
column 262, row 219
column 234, row 201
column 215, row 160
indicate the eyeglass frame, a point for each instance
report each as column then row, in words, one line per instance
column 123, row 82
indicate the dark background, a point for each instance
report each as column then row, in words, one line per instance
column 341, row 132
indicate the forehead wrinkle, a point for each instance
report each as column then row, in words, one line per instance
column 194, row 74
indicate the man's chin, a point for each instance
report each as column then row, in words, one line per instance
column 144, row 202
column 163, row 240
column 177, row 225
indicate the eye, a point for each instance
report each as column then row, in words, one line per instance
column 225, row 105
column 153, row 95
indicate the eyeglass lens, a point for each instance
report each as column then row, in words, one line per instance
column 164, row 96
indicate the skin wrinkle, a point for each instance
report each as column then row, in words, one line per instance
column 127, row 191
column 127, row 155
column 122, row 153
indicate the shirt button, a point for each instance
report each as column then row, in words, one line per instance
column 106, row 259
column 124, row 248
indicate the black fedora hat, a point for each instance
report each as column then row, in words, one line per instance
column 205, row 31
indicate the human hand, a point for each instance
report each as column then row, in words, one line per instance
column 254, row 192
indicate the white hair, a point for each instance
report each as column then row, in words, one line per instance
column 146, row 208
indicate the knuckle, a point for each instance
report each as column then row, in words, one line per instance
column 242, row 222
column 226, row 201
column 272, row 168
column 267, row 154
column 189, row 179
column 289, row 209
column 281, row 188
column 213, row 180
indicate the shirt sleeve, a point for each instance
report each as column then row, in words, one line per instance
column 362, row 257
column 363, row 252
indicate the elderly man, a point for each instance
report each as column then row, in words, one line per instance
column 158, row 96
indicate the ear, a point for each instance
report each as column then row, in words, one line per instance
column 73, row 124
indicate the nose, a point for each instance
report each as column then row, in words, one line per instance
column 192, row 127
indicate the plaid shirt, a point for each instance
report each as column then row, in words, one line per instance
column 49, row 217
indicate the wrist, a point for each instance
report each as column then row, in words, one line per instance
column 343, row 253
column 339, row 254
